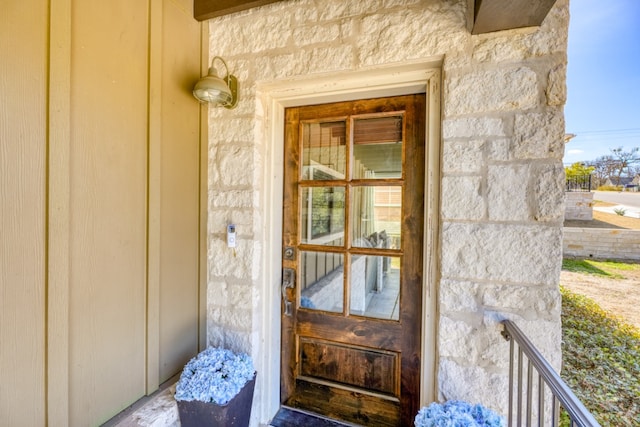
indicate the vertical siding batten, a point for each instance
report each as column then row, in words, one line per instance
column 59, row 216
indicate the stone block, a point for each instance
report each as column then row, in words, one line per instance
column 500, row 47
column 474, row 384
column 462, row 156
column 539, row 135
column 556, row 86
column 458, row 339
column 459, row 296
column 499, row 150
column 507, row 192
column 316, row 34
column 529, row 302
column 548, row 192
column 266, row 31
column 344, row 9
column 279, row 66
column 305, row 12
column 332, row 58
column 231, row 199
column 237, row 162
column 472, row 127
column 501, row 252
column 420, row 32
column 219, row 335
column 500, row 90
column 225, row 262
column 462, row 198
column 230, row 130
column 230, row 317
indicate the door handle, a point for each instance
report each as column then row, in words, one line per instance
column 288, row 281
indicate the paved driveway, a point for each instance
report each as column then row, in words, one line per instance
column 626, row 198
column 628, row 201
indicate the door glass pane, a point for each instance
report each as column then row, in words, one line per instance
column 375, row 286
column 376, row 213
column 322, row 216
column 324, row 150
column 377, row 148
column 322, row 281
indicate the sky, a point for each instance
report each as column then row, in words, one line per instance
column 603, row 78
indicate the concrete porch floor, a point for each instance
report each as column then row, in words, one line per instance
column 161, row 410
column 158, row 410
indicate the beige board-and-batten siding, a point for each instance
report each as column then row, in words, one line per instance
column 601, row 243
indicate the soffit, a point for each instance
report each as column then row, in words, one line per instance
column 489, row 15
column 497, row 15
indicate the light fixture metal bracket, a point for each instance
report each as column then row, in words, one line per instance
column 232, row 82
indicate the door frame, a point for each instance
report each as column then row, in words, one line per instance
column 272, row 99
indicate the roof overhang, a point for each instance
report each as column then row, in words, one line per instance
column 488, row 16
column 497, row 15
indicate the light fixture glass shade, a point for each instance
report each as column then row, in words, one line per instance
column 215, row 90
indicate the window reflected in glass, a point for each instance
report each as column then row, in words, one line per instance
column 324, row 150
column 375, row 286
column 377, row 148
column 322, row 216
column 376, row 214
column 322, row 281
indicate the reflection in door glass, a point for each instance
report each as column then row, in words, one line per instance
column 324, row 150
column 321, row 281
column 375, row 286
column 377, row 148
column 376, row 214
column 322, row 216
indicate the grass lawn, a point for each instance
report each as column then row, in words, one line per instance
column 601, row 354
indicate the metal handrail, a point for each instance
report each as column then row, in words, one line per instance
column 579, row 415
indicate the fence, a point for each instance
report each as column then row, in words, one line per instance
column 578, row 183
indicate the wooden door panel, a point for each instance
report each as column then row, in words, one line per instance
column 353, row 215
column 361, row 367
column 357, row 331
column 346, row 404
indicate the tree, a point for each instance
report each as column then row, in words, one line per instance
column 624, row 160
column 615, row 165
column 578, row 169
column 603, row 168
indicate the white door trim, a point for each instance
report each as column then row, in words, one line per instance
column 271, row 99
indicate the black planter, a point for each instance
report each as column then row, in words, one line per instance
column 237, row 412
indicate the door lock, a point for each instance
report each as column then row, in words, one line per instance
column 288, row 281
column 289, row 253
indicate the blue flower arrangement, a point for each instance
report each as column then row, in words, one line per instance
column 455, row 413
column 214, row 375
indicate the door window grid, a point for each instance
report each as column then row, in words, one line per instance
column 375, row 211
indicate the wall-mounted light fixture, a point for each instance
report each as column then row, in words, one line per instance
column 214, row 90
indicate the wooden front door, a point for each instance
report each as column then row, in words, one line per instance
column 352, row 259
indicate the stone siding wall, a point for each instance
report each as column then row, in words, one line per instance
column 601, row 243
column 578, row 205
column 502, row 187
